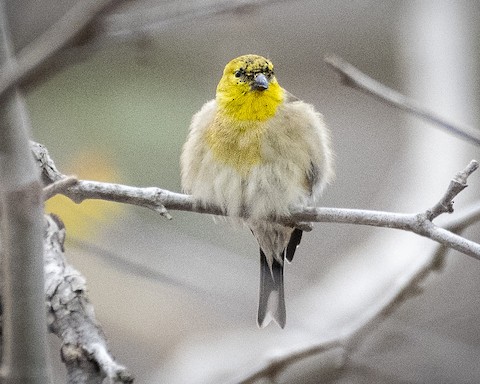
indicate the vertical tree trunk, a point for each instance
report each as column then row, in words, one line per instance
column 24, row 355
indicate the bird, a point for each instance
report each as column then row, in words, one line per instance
column 255, row 151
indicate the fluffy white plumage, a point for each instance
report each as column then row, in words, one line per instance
column 295, row 140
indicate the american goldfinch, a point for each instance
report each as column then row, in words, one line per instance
column 256, row 150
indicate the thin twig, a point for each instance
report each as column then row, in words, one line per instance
column 416, row 223
column 273, row 366
column 50, row 42
column 160, row 200
column 457, row 185
column 355, row 78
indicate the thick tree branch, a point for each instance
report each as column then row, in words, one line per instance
column 24, row 358
column 71, row 316
column 24, row 337
column 160, row 200
column 355, row 78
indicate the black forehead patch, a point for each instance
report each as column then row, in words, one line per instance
column 256, row 65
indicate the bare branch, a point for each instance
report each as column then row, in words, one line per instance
column 139, row 21
column 457, row 185
column 353, row 77
column 49, row 172
column 57, row 187
column 50, row 42
column 420, row 223
column 71, row 316
column 273, row 366
column 416, row 223
column 160, row 200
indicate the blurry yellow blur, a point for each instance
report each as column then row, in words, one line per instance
column 84, row 220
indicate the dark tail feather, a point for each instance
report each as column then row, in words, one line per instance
column 271, row 304
column 293, row 243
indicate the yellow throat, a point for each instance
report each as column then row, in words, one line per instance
column 247, row 96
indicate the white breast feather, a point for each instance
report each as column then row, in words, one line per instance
column 295, row 138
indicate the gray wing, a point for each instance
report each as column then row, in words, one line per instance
column 312, row 177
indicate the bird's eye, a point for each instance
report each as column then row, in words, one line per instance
column 238, row 73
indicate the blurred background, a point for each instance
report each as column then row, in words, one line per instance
column 177, row 299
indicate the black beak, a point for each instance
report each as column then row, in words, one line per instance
column 260, row 83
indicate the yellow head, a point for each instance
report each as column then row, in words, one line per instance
column 248, row 89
